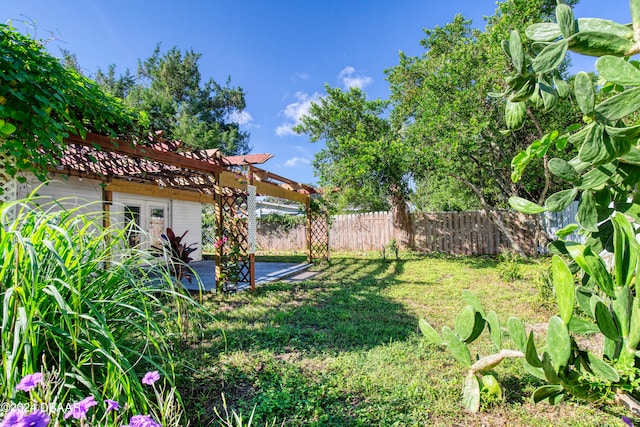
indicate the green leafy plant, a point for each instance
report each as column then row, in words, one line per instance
column 392, row 247
column 604, row 174
column 39, row 391
column 544, row 284
column 282, row 222
column 76, row 297
column 42, row 102
column 179, row 252
column 235, row 419
column 470, row 323
column 510, row 266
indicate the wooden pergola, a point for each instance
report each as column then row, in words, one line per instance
column 161, row 168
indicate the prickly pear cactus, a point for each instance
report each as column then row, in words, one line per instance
column 470, row 323
column 604, row 177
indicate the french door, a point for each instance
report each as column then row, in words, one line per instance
column 152, row 217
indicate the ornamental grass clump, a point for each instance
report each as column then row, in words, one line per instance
column 76, row 299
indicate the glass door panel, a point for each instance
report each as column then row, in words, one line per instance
column 157, row 224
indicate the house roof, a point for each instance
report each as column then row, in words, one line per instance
column 162, row 162
column 248, row 159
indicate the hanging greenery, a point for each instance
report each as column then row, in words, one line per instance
column 46, row 102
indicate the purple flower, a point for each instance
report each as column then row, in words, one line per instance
column 150, row 378
column 19, row 418
column 36, row 418
column 14, row 417
column 112, row 405
column 29, row 382
column 142, row 421
column 79, row 409
column 627, row 421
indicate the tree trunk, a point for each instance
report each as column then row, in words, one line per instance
column 402, row 223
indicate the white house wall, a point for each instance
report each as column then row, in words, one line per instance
column 69, row 192
column 182, row 216
column 187, row 216
column 72, row 192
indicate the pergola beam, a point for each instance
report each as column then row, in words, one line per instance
column 123, row 186
column 156, row 168
column 165, row 157
column 229, row 180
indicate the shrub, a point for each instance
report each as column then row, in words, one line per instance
column 282, row 222
column 178, row 251
column 510, row 266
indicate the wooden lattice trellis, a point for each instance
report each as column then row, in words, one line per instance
column 318, row 236
column 234, row 257
column 8, row 188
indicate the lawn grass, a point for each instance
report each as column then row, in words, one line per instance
column 343, row 349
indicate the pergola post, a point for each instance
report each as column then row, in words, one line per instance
column 219, row 229
column 309, row 224
column 251, row 229
column 107, row 201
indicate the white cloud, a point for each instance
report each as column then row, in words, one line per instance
column 295, row 161
column 283, row 130
column 296, row 77
column 242, row 117
column 294, row 112
column 350, row 78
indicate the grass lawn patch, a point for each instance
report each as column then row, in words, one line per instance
column 344, row 349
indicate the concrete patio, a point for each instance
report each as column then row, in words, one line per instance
column 264, row 272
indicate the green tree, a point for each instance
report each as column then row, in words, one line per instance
column 119, row 86
column 441, row 193
column 169, row 88
column 455, row 129
column 364, row 156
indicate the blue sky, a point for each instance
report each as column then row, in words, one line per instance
column 280, row 52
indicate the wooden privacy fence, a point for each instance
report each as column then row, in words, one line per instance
column 453, row 233
column 471, row 232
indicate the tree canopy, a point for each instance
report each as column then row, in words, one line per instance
column 440, row 124
column 364, row 156
column 457, row 129
column 169, row 88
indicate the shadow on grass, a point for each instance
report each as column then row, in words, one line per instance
column 276, row 355
column 342, row 309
